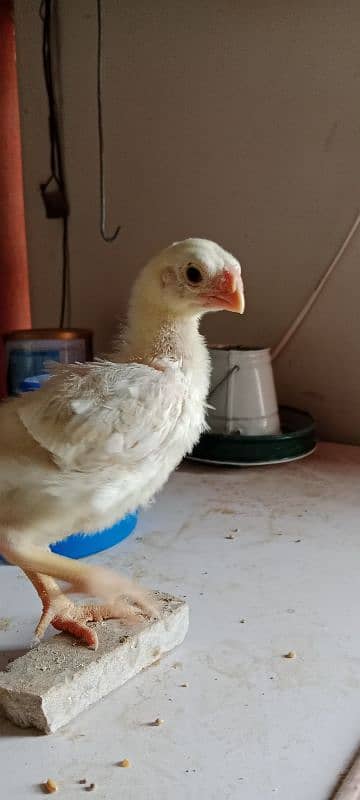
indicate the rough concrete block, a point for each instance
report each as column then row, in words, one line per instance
column 57, row 680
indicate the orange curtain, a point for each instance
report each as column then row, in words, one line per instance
column 14, row 284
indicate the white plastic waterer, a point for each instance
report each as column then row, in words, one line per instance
column 242, row 393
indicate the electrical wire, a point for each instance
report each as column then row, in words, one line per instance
column 106, row 237
column 65, row 277
column 299, row 319
column 57, row 175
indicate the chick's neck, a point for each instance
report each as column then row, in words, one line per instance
column 154, row 332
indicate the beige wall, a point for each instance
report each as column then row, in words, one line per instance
column 238, row 121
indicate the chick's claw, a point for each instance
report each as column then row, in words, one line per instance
column 101, row 582
column 75, row 618
column 148, row 606
column 65, row 615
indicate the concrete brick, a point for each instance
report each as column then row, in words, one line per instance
column 52, row 684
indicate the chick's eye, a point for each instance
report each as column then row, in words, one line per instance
column 193, row 274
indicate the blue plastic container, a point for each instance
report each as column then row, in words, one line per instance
column 36, row 382
column 80, row 545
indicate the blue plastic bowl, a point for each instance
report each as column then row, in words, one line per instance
column 80, row 545
column 33, row 383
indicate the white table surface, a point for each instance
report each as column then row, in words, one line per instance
column 251, row 724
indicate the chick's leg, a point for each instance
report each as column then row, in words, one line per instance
column 65, row 615
column 124, row 600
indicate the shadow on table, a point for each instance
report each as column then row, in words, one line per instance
column 6, row 656
column 7, row 728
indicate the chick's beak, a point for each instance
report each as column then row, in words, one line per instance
column 227, row 292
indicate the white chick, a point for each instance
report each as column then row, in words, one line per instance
column 100, row 439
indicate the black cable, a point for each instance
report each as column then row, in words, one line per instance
column 55, row 201
column 47, row 67
column 105, row 236
column 65, row 284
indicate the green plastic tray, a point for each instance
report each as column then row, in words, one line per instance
column 297, row 439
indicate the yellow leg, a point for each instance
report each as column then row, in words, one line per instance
column 66, row 616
